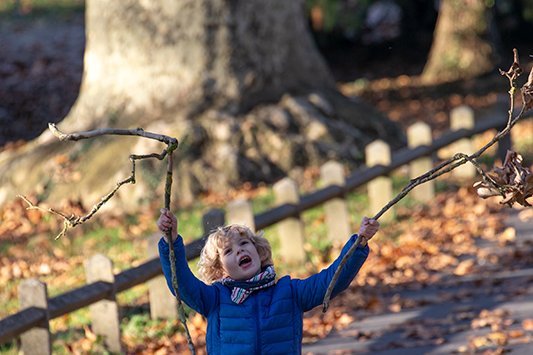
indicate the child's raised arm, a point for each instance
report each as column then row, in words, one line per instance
column 312, row 290
column 196, row 294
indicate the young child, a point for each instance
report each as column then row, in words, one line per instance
column 248, row 311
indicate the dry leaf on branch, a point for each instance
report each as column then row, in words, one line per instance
column 527, row 92
column 512, row 180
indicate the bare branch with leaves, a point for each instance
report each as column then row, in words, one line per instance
column 73, row 220
column 513, row 182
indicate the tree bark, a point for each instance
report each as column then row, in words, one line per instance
column 239, row 83
column 194, row 54
column 464, row 42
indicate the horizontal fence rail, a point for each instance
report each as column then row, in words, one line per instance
column 364, row 175
column 22, row 321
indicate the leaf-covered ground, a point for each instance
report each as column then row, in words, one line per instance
column 453, row 264
column 457, row 235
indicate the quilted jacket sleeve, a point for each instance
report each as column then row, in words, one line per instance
column 196, row 294
column 311, row 291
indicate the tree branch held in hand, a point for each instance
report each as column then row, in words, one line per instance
column 72, row 221
column 512, row 189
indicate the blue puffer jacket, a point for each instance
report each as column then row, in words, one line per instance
column 269, row 321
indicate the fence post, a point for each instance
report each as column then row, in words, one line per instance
column 212, row 219
column 420, row 134
column 240, row 212
column 33, row 293
column 163, row 304
column 463, row 117
column 104, row 314
column 291, row 231
column 337, row 218
column 379, row 189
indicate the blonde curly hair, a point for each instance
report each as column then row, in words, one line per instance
column 210, row 267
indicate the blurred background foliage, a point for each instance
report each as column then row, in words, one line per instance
column 346, row 19
column 351, row 19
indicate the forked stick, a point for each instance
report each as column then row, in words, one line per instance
column 72, row 221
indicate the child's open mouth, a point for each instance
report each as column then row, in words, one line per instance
column 245, row 261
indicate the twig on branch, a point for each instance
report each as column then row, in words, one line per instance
column 66, row 219
column 456, row 161
column 111, row 131
column 73, row 221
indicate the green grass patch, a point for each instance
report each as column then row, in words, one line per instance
column 32, row 9
column 10, row 348
column 138, row 327
column 132, row 295
column 190, row 222
column 98, row 240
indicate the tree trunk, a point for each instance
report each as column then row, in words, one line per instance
column 195, row 54
column 464, row 42
column 239, row 83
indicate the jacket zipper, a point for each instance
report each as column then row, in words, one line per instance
column 257, row 327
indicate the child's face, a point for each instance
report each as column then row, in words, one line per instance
column 239, row 258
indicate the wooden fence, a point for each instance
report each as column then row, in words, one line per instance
column 31, row 324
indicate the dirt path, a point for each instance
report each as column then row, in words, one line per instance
column 485, row 312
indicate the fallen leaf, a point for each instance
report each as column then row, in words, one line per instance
column 527, row 324
column 89, row 334
column 516, row 333
column 507, row 236
column 464, row 267
column 345, row 319
column 526, row 214
column 479, row 342
column 499, row 338
column 395, row 308
column 527, row 92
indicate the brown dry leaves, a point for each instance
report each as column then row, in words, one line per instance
column 527, row 92
column 502, row 330
column 28, row 249
column 317, row 324
column 428, row 245
column 433, row 241
column 425, row 245
column 513, row 181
